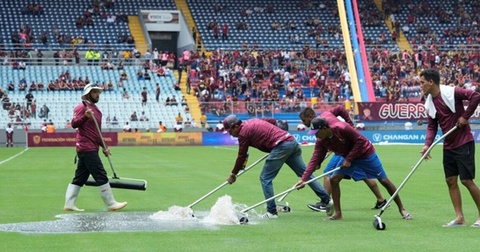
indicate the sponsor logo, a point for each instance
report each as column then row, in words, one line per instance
column 157, row 17
column 36, row 139
column 297, row 137
column 377, row 137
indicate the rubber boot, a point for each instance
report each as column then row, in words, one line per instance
column 70, row 198
column 107, row 196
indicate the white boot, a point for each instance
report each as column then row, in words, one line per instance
column 70, row 198
column 107, row 196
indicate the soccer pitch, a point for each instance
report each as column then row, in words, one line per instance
column 32, row 188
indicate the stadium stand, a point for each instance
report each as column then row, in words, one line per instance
column 49, row 15
column 448, row 22
column 258, row 20
column 62, row 102
column 63, row 15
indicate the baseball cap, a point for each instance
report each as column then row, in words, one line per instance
column 229, row 121
column 317, row 123
column 89, row 88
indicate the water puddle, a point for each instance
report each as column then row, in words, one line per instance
column 224, row 212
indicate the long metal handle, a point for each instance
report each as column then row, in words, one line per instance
column 414, row 169
column 226, row 182
column 294, row 186
column 103, row 141
column 289, row 190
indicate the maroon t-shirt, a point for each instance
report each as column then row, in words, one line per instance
column 346, row 142
column 88, row 137
column 447, row 119
column 262, row 134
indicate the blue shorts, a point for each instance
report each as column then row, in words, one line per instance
column 337, row 161
column 367, row 168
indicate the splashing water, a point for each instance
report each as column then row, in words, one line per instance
column 174, row 213
column 223, row 212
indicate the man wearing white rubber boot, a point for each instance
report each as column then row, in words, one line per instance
column 88, row 141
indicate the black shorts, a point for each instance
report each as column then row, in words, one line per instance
column 460, row 162
column 89, row 162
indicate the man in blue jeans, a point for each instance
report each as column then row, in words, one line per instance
column 264, row 135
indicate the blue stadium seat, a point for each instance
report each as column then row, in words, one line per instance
column 69, row 11
column 111, row 101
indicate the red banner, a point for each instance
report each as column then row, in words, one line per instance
column 380, row 111
column 42, row 139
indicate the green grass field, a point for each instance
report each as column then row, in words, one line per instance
column 32, row 188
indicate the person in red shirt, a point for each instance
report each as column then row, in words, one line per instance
column 306, row 116
column 215, row 31
column 144, row 95
column 161, row 72
column 445, row 109
column 282, row 148
column 358, row 153
column 225, row 31
column 88, row 141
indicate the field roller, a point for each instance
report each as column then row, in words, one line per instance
column 115, row 181
column 124, row 183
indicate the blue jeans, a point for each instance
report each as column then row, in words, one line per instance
column 288, row 153
column 275, row 63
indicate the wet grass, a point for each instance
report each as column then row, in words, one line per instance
column 32, row 188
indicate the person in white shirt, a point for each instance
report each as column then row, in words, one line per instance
column 22, row 65
column 155, row 56
column 360, row 125
column 127, row 127
column 346, row 75
column 9, row 134
column 286, row 78
column 143, row 117
column 246, row 71
column 168, row 72
column 148, row 56
column 219, row 127
column 178, row 127
column 111, row 19
column 286, row 55
column 44, row 126
column 392, row 19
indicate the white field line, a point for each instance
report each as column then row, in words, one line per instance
column 14, row 156
column 226, row 148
